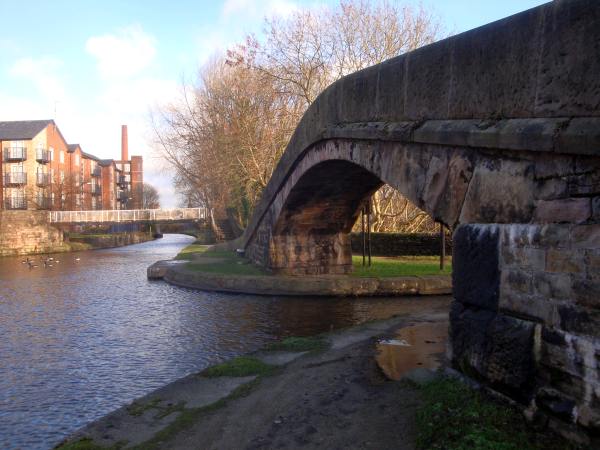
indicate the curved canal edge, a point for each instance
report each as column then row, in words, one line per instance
column 177, row 273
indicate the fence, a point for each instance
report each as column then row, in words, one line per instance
column 128, row 215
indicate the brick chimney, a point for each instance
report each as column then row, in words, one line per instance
column 124, row 145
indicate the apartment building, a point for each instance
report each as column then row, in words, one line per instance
column 40, row 170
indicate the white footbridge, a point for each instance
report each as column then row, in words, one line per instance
column 129, row 216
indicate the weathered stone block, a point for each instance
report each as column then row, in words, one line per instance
column 510, row 355
column 574, row 25
column 516, row 281
column 586, row 236
column 582, row 135
column 475, row 274
column 528, row 258
column 596, row 209
column 467, row 337
column 556, row 403
column 552, row 285
column 564, row 261
column 571, row 210
column 534, row 307
column 485, row 203
column 579, row 320
column 586, row 292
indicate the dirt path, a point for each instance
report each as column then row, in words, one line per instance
column 335, row 400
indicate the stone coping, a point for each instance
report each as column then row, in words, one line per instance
column 176, row 273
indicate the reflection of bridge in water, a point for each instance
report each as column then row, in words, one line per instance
column 129, row 216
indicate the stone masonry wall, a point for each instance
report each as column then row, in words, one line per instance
column 28, row 232
column 526, row 318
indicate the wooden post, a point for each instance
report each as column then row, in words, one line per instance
column 443, row 246
column 364, row 243
column 369, row 230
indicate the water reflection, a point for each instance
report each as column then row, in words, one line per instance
column 85, row 336
column 416, row 346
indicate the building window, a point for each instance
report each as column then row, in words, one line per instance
column 76, row 160
column 62, row 175
column 62, row 157
column 51, row 153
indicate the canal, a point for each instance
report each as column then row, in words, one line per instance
column 90, row 333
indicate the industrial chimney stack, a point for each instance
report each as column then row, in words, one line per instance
column 124, row 145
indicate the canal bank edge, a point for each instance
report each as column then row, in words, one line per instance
column 176, row 273
column 153, row 419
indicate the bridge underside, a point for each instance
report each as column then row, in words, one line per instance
column 496, row 133
column 306, row 228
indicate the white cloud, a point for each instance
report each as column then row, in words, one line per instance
column 258, row 8
column 124, row 54
column 43, row 73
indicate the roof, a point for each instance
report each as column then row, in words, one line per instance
column 89, row 156
column 22, row 129
column 106, row 162
column 72, row 147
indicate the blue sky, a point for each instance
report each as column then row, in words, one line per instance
column 94, row 65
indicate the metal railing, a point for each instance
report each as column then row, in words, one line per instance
column 43, row 202
column 15, row 202
column 128, row 215
column 42, row 155
column 11, row 178
column 42, row 178
column 15, row 154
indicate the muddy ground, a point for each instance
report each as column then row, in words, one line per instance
column 339, row 399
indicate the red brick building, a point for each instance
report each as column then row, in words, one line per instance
column 41, row 171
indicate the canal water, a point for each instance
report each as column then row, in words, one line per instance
column 91, row 333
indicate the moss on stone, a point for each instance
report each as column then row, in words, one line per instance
column 299, row 344
column 241, row 366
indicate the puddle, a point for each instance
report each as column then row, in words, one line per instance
column 416, row 346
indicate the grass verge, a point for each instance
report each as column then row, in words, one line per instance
column 191, row 250
column 88, row 444
column 242, row 366
column 383, row 267
column 455, row 417
column 299, row 344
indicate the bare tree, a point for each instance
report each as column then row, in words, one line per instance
column 150, row 197
column 226, row 132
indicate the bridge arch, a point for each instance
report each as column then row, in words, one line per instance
column 496, row 133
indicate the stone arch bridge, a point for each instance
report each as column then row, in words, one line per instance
column 496, row 133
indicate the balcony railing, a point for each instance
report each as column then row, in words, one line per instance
column 96, row 189
column 123, row 196
column 42, row 156
column 15, row 202
column 15, row 154
column 42, row 179
column 14, row 178
column 96, row 172
column 43, row 202
column 121, row 180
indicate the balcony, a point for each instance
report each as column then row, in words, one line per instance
column 96, row 172
column 15, row 178
column 42, row 156
column 123, row 196
column 15, row 202
column 96, row 189
column 15, row 154
column 42, row 179
column 43, row 202
column 122, row 181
